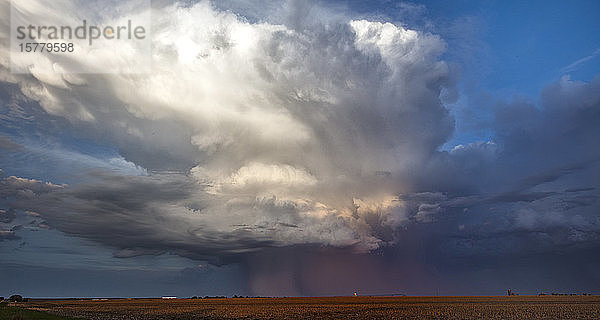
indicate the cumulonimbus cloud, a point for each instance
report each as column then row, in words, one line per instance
column 263, row 134
column 283, row 136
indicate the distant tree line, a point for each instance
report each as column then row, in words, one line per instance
column 225, row 297
column 564, row 294
column 15, row 298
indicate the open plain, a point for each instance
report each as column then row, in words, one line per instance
column 514, row 307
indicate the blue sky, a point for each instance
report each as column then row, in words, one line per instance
column 505, row 49
column 308, row 148
column 520, row 47
column 525, row 45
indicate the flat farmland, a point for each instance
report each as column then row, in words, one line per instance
column 515, row 307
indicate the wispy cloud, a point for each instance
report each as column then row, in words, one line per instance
column 577, row 64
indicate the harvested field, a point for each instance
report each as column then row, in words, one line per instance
column 516, row 307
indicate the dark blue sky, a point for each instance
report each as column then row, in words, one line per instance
column 312, row 148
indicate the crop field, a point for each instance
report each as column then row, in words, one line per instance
column 515, row 307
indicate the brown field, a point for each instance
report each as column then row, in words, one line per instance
column 516, row 307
